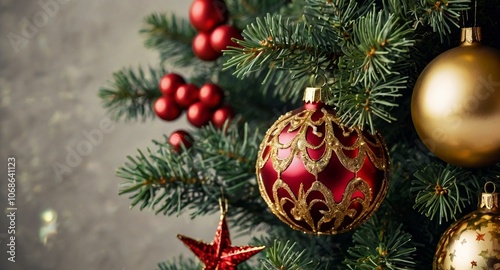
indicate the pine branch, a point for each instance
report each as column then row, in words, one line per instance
column 379, row 47
column 381, row 244
column 219, row 164
column 442, row 15
column 131, row 93
column 279, row 43
column 283, row 256
column 440, row 191
column 171, row 37
column 335, row 17
column 179, row 264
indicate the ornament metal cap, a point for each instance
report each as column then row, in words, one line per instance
column 312, row 94
column 471, row 35
column 489, row 201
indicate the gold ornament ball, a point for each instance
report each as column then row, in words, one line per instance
column 472, row 242
column 455, row 104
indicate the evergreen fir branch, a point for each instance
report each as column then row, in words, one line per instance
column 278, row 43
column 440, row 191
column 327, row 251
column 219, row 164
column 180, row 264
column 358, row 104
column 335, row 17
column 131, row 93
column 379, row 47
column 171, row 37
column 244, row 12
column 163, row 179
column 283, row 256
column 381, row 244
column 442, row 15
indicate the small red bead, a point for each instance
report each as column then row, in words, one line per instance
column 166, row 108
column 211, row 94
column 205, row 15
column 169, row 83
column 186, row 95
column 202, row 48
column 178, row 138
column 198, row 114
column 221, row 115
column 222, row 36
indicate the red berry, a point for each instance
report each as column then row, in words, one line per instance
column 178, row 138
column 220, row 38
column 186, row 95
column 211, row 95
column 205, row 15
column 202, row 48
column 169, row 83
column 166, row 108
column 221, row 115
column 198, row 114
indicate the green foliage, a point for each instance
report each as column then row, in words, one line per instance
column 440, row 191
column 171, row 37
column 180, row 264
column 381, row 244
column 283, row 256
column 131, row 93
column 366, row 55
column 218, row 164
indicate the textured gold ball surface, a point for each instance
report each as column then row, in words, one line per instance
column 473, row 242
column 455, row 105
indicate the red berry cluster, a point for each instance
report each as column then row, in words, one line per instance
column 209, row 18
column 202, row 105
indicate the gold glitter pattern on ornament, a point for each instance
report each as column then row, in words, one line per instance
column 300, row 214
column 301, row 122
column 473, row 242
column 301, row 209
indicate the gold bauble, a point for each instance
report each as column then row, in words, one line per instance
column 456, row 103
column 473, row 242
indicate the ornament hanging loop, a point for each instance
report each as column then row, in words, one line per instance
column 492, row 184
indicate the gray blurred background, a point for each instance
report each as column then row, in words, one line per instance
column 53, row 60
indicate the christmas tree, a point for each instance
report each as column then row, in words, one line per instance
column 364, row 59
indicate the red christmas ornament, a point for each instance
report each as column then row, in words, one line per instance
column 202, row 48
column 222, row 35
column 211, row 95
column 205, row 15
column 221, row 115
column 198, row 114
column 166, row 108
column 220, row 255
column 186, row 95
column 178, row 138
column 169, row 83
column 319, row 176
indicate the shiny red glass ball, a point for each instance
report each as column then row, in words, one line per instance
column 178, row 138
column 169, row 83
column 186, row 95
column 205, row 15
column 166, row 108
column 198, row 114
column 211, row 95
column 221, row 115
column 202, row 48
column 222, row 36
column 319, row 176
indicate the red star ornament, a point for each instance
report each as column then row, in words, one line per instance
column 220, row 255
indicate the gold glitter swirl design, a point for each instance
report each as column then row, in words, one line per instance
column 301, row 211
column 301, row 122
